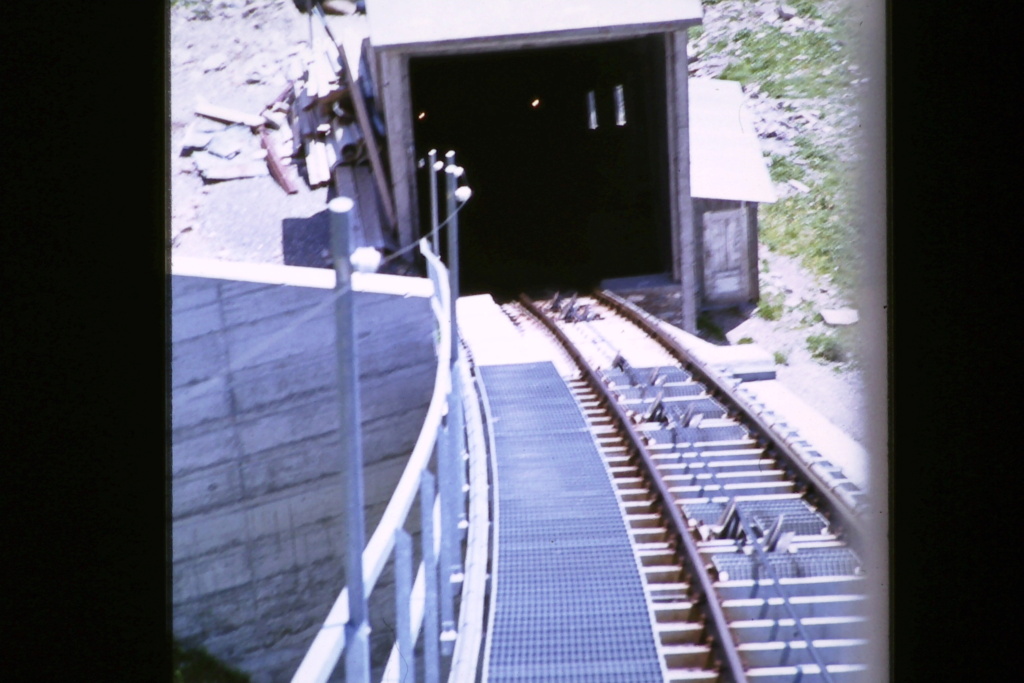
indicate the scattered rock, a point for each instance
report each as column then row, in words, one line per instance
column 839, row 316
column 195, row 139
column 798, row 186
column 786, row 12
column 341, row 7
column 215, row 62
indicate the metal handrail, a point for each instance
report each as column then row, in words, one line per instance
column 329, row 643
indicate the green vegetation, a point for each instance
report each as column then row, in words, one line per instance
column 817, row 226
column 746, row 340
column 809, row 316
column 196, row 665
column 707, row 325
column 200, row 8
column 771, row 306
column 781, row 358
column 827, row 347
column 804, row 64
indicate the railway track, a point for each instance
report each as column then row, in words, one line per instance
column 750, row 554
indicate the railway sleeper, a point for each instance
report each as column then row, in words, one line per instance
column 644, row 521
column 696, row 500
column 817, row 628
column 601, row 430
column 698, row 464
column 617, row 458
column 631, row 484
column 687, row 656
column 674, row 611
column 640, row 506
column 680, row 633
column 808, row 673
column 669, row 593
column 667, row 573
column 705, row 447
column 805, row 586
column 691, row 676
column 647, row 394
column 657, row 534
column 805, row 606
column 665, row 557
column 630, row 496
column 793, row 543
column 751, row 489
column 745, row 476
column 787, row 653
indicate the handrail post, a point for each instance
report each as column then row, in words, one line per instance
column 432, row 173
column 452, row 173
column 431, row 660
column 403, row 593
column 447, row 531
column 357, row 655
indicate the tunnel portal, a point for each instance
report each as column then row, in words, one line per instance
column 565, row 150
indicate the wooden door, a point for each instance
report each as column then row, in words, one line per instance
column 726, row 269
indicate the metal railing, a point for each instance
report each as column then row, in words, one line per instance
column 423, row 602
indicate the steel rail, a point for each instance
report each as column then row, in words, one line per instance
column 722, row 639
column 762, row 559
column 840, row 512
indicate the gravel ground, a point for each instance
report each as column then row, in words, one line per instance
column 235, row 53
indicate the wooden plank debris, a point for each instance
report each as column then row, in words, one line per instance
column 227, row 114
column 233, row 171
column 363, row 118
column 285, row 94
column 280, row 173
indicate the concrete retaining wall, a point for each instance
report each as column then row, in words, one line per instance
column 256, row 486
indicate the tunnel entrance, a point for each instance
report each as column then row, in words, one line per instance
column 565, row 150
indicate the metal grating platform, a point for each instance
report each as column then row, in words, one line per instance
column 798, row 516
column 691, row 435
column 647, row 392
column 666, row 374
column 818, row 562
column 568, row 601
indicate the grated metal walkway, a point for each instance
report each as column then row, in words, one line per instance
column 568, row 602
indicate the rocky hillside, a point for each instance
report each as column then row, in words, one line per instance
column 798, row 64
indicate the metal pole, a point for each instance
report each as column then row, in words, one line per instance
column 357, row 655
column 403, row 591
column 432, row 172
column 453, row 239
column 448, row 547
column 431, row 660
column 458, row 437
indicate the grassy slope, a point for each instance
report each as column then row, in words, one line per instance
column 817, row 67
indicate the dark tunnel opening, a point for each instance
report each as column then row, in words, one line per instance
column 565, row 151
